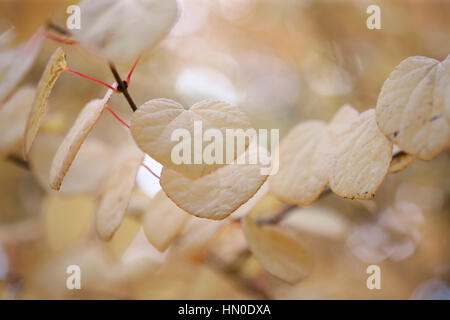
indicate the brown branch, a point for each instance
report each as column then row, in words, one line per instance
column 19, row 161
column 122, row 86
column 58, row 28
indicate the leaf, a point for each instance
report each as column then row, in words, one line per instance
column 278, row 252
column 88, row 172
column 362, row 159
column 71, row 144
column 304, row 164
column 163, row 221
column 218, row 194
column 341, row 123
column 15, row 63
column 13, row 118
column 155, row 121
column 411, row 106
column 116, row 196
column 54, row 68
column 67, row 220
column 400, row 160
column 121, row 30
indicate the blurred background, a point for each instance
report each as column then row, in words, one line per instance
column 281, row 62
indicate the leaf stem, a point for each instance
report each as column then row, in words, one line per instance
column 150, row 170
column 117, row 117
column 90, row 78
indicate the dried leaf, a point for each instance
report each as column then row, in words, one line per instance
column 411, row 106
column 163, row 221
column 154, row 122
column 304, row 164
column 116, row 196
column 362, row 159
column 13, row 118
column 121, row 30
column 71, row 144
column 54, row 68
column 278, row 251
column 218, row 194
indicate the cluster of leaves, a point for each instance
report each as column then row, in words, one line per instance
column 351, row 155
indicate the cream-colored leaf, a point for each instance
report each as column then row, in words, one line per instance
column 71, row 144
column 400, row 160
column 362, row 159
column 67, row 220
column 163, row 221
column 155, row 121
column 117, row 194
column 13, row 118
column 278, row 251
column 88, row 172
column 411, row 106
column 218, row 194
column 341, row 123
column 304, row 164
column 54, row 68
column 15, row 63
column 121, row 30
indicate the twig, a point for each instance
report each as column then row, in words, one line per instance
column 122, row 86
column 288, row 209
column 58, row 28
column 19, row 161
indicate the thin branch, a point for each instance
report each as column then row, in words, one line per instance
column 19, row 161
column 58, row 28
column 288, row 209
column 122, row 86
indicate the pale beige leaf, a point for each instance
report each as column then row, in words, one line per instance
column 71, row 144
column 304, row 164
column 67, row 220
column 13, row 118
column 218, row 194
column 163, row 221
column 341, row 123
column 121, row 30
column 362, row 159
column 117, row 194
column 400, row 160
column 278, row 251
column 88, row 172
column 411, row 106
column 54, row 68
column 15, row 63
column 154, row 122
